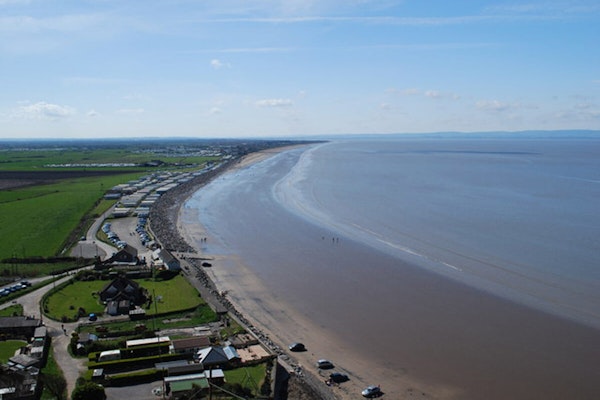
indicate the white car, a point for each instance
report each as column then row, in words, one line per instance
column 371, row 391
column 324, row 364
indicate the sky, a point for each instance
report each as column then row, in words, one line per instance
column 269, row 68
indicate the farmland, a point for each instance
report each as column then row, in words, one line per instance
column 48, row 191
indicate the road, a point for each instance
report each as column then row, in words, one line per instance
column 72, row 367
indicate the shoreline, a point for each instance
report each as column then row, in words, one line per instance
column 170, row 213
column 278, row 324
column 513, row 327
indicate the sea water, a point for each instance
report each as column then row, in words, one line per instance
column 519, row 217
column 515, row 216
column 391, row 245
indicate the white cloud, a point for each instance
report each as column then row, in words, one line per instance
column 493, row 105
column 218, row 64
column 275, row 103
column 433, row 94
column 43, row 110
column 93, row 113
column 131, row 111
column 62, row 23
column 215, row 111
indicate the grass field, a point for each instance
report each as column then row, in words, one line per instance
column 15, row 310
column 123, row 153
column 47, row 216
column 8, row 348
column 250, row 377
column 177, row 294
column 36, row 221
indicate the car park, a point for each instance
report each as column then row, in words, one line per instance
column 297, row 347
column 324, row 364
column 371, row 391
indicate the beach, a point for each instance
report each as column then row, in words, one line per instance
column 443, row 340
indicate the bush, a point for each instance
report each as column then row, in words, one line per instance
column 88, row 391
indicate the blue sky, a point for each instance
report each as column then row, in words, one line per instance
column 229, row 68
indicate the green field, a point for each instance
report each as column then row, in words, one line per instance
column 8, row 348
column 123, row 153
column 45, row 218
column 15, row 310
column 37, row 221
column 177, row 294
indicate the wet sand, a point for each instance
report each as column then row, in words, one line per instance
column 415, row 333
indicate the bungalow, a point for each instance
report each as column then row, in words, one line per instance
column 120, row 289
column 189, row 345
column 127, row 254
column 17, row 327
column 216, row 356
column 163, row 259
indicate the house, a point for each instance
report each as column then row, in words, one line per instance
column 127, row 255
column 18, row 327
column 216, row 356
column 211, row 356
column 189, row 345
column 164, row 260
column 180, row 384
column 121, row 288
column 19, row 384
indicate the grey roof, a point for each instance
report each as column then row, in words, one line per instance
column 19, row 322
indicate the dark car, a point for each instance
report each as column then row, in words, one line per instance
column 297, row 347
column 338, row 377
column 93, row 317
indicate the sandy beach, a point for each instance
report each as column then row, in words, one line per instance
column 452, row 341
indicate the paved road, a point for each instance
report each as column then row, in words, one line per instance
column 72, row 367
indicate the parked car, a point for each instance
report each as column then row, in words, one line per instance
column 297, row 347
column 338, row 377
column 324, row 364
column 371, row 391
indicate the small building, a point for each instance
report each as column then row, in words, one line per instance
column 189, row 345
column 120, row 289
column 216, row 356
column 127, row 255
column 148, row 341
column 164, row 260
column 19, row 384
column 18, row 327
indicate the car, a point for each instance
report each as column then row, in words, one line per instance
column 93, row 317
column 324, row 364
column 297, row 347
column 338, row 377
column 371, row 391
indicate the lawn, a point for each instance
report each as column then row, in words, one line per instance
column 250, row 377
column 174, row 295
column 38, row 220
column 67, row 301
column 15, row 310
column 8, row 348
column 53, row 379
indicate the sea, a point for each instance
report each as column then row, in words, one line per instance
column 331, row 227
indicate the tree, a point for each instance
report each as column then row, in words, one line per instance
column 55, row 384
column 89, row 391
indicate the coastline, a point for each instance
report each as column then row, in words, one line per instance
column 513, row 327
column 278, row 324
column 188, row 239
